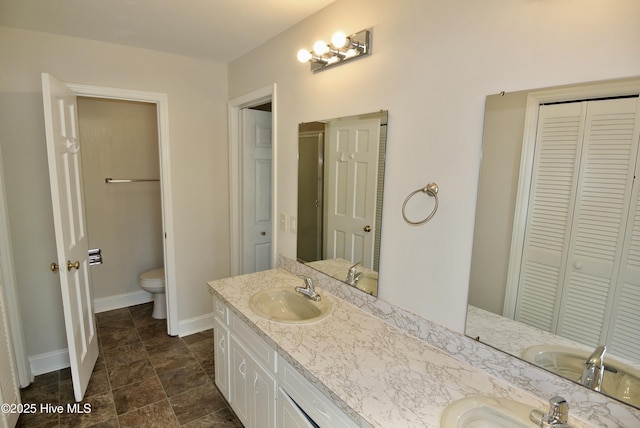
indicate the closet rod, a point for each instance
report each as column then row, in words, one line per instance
column 128, row 180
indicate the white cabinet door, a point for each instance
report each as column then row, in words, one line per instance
column 263, row 400
column 289, row 414
column 240, row 386
column 221, row 358
column 253, row 389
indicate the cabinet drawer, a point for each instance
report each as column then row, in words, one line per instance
column 220, row 311
column 258, row 348
column 314, row 403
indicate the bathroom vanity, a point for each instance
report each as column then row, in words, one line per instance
column 349, row 369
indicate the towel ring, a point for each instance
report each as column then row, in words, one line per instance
column 430, row 189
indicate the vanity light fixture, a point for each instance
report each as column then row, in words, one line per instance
column 341, row 49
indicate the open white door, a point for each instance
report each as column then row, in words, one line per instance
column 352, row 170
column 257, row 176
column 65, row 176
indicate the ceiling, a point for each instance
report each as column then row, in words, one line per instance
column 219, row 30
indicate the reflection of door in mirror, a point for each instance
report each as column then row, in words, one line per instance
column 310, row 190
column 256, row 190
column 340, row 192
column 352, row 165
column 579, row 239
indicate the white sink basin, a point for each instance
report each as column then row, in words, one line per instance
column 484, row 412
column 288, row 306
column 621, row 381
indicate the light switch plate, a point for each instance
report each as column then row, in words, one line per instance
column 293, row 224
column 283, row 222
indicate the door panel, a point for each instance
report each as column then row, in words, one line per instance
column 65, row 173
column 256, row 190
column 352, row 165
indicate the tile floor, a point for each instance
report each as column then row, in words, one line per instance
column 143, row 378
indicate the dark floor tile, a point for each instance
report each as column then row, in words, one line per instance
column 137, row 395
column 39, row 420
column 162, row 344
column 100, row 409
column 142, row 310
column 110, row 338
column 156, row 415
column 197, row 337
column 46, row 379
column 221, row 419
column 196, row 403
column 203, row 350
column 133, row 378
column 39, row 395
column 124, row 354
column 183, row 379
column 66, row 373
column 125, row 374
column 172, row 359
column 104, row 318
column 153, row 330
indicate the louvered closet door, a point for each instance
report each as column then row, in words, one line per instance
column 553, row 187
column 623, row 335
column 600, row 219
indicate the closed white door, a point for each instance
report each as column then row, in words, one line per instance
column 65, row 174
column 350, row 192
column 257, row 154
column 579, row 240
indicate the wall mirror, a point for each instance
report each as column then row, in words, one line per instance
column 340, row 187
column 555, row 269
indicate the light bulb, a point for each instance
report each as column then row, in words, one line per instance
column 339, row 40
column 304, row 55
column 320, row 48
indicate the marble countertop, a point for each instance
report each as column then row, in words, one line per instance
column 375, row 372
column 515, row 337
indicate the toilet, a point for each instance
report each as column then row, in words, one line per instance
column 153, row 282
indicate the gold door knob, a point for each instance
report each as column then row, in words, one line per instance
column 75, row 264
column 367, row 228
column 54, row 267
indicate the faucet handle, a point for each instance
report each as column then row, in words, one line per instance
column 308, row 282
column 558, row 409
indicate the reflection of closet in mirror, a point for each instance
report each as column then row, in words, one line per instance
column 582, row 236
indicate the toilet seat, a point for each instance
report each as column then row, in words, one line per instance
column 153, row 280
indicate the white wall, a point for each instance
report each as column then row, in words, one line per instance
column 432, row 65
column 119, row 139
column 197, row 100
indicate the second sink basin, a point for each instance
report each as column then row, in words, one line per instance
column 621, row 381
column 483, row 411
column 288, row 306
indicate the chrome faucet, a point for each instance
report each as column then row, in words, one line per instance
column 558, row 416
column 308, row 290
column 352, row 276
column 594, row 368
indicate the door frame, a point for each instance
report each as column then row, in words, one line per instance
column 10, row 288
column 235, row 106
column 534, row 100
column 162, row 106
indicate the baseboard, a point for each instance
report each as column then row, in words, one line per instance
column 49, row 362
column 104, row 304
column 195, row 325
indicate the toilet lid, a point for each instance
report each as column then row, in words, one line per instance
column 153, row 275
